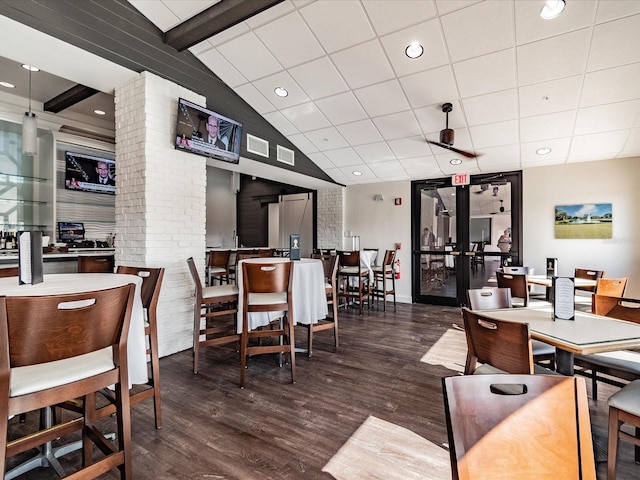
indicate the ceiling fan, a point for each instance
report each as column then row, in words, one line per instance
column 447, row 135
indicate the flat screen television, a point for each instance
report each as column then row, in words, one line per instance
column 207, row 133
column 87, row 173
column 70, row 232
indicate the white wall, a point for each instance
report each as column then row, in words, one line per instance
column 221, row 208
column 381, row 224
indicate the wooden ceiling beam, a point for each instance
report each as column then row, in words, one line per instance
column 68, row 98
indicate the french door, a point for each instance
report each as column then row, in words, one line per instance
column 455, row 234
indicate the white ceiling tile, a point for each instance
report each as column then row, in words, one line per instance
column 159, row 13
column 430, row 87
column 388, row 169
column 319, row 78
column 447, row 6
column 397, row 125
column 559, row 151
column 493, row 107
column 338, row 176
column 426, row 165
column 556, row 57
column 222, row 68
column 290, row 40
column 469, row 165
column 531, row 27
column 604, row 118
column 495, row 134
column 617, row 9
column 410, row 147
column 545, row 127
column 587, row 147
column 186, row 9
column 363, row 64
column 306, row 117
column 375, row 152
column 480, row 29
column 352, row 28
column 632, row 146
column 550, row 97
column 270, row 14
column 267, row 87
column 326, row 139
column 321, row 160
column 247, row 54
column 366, row 172
column 303, row 143
column 486, row 74
column 342, row 108
column 613, row 85
column 611, row 44
column 279, row 121
column 343, row 157
column 429, row 35
column 382, row 98
column 505, row 157
column 253, row 97
column 201, row 47
column 387, row 17
column 358, row 133
column 229, row 34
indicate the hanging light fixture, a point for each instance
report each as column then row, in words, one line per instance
column 30, row 124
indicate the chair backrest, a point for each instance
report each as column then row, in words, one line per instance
column 219, row 258
column 151, row 283
column 49, row 328
column 389, row 257
column 267, row 277
column 518, row 270
column 588, row 274
column 516, row 282
column 330, row 266
column 488, row 298
column 616, row 307
column 96, row 263
column 612, row 287
column 349, row 259
column 196, row 278
column 501, row 344
column 266, row 252
column 518, row 426
column 9, row 272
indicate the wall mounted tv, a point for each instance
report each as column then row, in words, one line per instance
column 70, row 232
column 207, row 133
column 87, row 173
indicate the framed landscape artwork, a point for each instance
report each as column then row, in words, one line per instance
column 588, row 220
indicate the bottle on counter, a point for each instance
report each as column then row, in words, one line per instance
column 3, row 241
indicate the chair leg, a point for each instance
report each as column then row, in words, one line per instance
column 594, row 384
column 614, row 440
column 335, row 322
column 243, row 353
column 384, row 291
column 196, row 338
column 310, row 341
column 155, row 377
column 292, row 348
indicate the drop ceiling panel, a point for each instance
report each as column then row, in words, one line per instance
column 398, row 125
column 319, row 78
column 430, row 87
column 550, row 97
column 358, row 133
column 342, row 108
column 491, row 108
column 375, row 152
column 495, row 134
column 227, row 72
column 604, row 118
column 281, row 123
column 559, row 151
column 610, row 43
column 255, row 98
column 531, row 27
column 612, row 85
column 306, row 117
column 326, row 139
column 267, row 86
column 386, row 17
column 545, row 127
column 410, row 147
column 486, row 74
column 588, row 147
column 363, row 65
column 343, row 157
column 250, row 57
column 383, row 98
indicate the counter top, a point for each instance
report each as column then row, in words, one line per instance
column 12, row 255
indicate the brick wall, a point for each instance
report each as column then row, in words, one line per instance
column 330, row 218
column 160, row 200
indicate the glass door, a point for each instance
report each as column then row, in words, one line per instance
column 463, row 234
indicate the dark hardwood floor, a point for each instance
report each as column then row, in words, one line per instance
column 272, row 429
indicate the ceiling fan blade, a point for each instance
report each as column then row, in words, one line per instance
column 449, row 147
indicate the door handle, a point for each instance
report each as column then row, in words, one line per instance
column 455, row 254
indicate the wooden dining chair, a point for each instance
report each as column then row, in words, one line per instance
column 490, row 298
column 330, row 268
column 610, row 287
column 623, row 410
column 214, row 314
column 529, row 427
column 267, row 288
column 353, row 279
column 150, row 293
column 96, row 263
column 588, row 274
column 517, row 283
column 384, row 280
column 59, row 348
column 218, row 266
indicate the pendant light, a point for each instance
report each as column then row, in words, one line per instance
column 30, row 124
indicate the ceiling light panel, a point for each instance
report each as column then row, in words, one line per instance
column 530, row 27
column 267, row 86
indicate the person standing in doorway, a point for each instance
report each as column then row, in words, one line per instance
column 504, row 242
column 428, row 239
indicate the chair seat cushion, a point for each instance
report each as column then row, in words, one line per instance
column 627, row 398
column 214, row 270
column 353, row 271
column 541, row 348
column 621, row 360
column 267, row 298
column 380, row 269
column 219, row 291
column 34, row 378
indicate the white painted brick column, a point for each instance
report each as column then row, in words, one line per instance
column 330, row 216
column 160, row 200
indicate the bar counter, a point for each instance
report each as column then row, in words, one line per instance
column 56, row 262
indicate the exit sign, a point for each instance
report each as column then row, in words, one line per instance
column 460, row 179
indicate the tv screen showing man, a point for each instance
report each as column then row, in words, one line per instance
column 90, row 174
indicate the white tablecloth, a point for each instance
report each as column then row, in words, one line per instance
column 367, row 257
column 309, row 298
column 83, row 282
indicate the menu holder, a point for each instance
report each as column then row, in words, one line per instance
column 552, row 267
column 294, row 246
column 30, row 258
column 564, row 302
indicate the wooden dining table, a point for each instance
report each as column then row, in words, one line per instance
column 548, row 283
column 585, row 335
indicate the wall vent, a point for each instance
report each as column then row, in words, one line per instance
column 286, row 156
column 257, row 145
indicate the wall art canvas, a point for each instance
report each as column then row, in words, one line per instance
column 588, row 220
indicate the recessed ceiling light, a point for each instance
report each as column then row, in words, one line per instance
column 281, row 92
column 7, row 85
column 552, row 8
column 414, row 50
column 543, row 151
column 31, row 68
column 357, row 173
column 99, row 112
column 455, row 161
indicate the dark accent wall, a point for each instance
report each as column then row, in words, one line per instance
column 253, row 200
column 115, row 30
